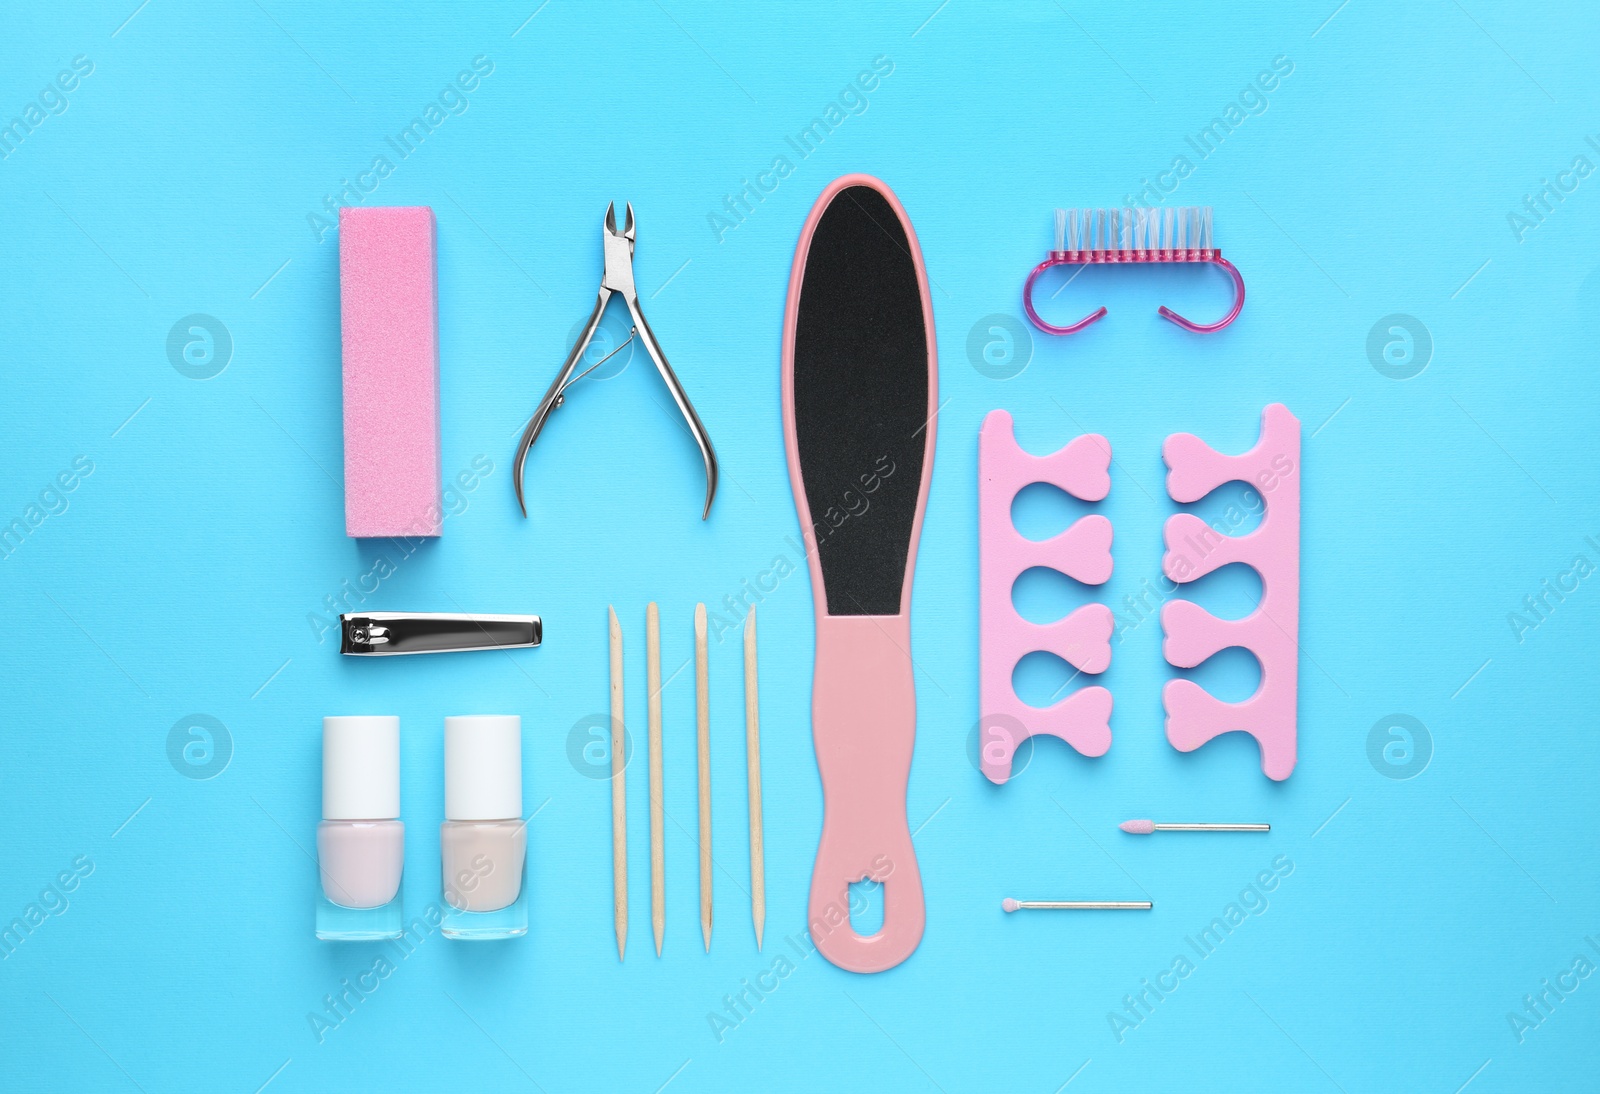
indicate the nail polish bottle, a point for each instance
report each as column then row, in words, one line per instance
column 483, row 840
column 360, row 842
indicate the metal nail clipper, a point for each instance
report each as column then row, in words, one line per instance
column 378, row 634
column 617, row 278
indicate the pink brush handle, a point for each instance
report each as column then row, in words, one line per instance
column 864, row 724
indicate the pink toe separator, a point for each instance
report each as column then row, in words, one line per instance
column 1082, row 552
column 1271, row 632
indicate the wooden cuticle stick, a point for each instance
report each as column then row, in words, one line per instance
column 752, row 740
column 619, row 796
column 702, row 697
column 658, row 863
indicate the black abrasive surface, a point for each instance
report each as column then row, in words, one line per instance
column 861, row 400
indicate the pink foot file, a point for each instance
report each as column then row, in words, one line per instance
column 388, row 315
column 1082, row 552
column 1271, row 632
column 860, row 405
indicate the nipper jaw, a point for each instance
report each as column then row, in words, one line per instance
column 618, row 273
column 616, row 277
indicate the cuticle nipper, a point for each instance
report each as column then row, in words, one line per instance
column 616, row 278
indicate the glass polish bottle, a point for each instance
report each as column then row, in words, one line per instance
column 483, row 841
column 361, row 841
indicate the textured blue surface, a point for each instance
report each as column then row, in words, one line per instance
column 182, row 575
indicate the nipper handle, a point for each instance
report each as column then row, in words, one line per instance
column 552, row 397
column 685, row 407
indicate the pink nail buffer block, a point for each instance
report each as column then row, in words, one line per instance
column 388, row 310
column 1082, row 552
column 1271, row 632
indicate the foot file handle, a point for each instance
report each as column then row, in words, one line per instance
column 864, row 723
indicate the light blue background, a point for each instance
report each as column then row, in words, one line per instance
column 180, row 577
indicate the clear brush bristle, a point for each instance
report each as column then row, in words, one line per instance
column 1173, row 228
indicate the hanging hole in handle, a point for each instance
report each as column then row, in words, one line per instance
column 866, row 907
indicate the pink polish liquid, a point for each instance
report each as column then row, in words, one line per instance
column 361, row 841
column 361, row 861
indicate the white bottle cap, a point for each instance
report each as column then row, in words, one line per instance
column 483, row 767
column 361, row 767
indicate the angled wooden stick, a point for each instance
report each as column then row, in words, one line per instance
column 658, row 861
column 752, row 742
column 702, row 685
column 619, row 797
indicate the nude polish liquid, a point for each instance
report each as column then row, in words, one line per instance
column 483, row 841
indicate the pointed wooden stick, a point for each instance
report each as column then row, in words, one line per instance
column 658, row 861
column 619, row 797
column 702, row 685
column 752, row 742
